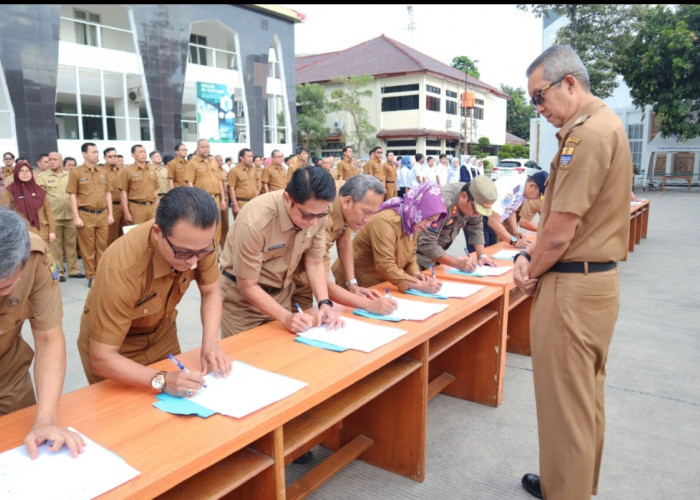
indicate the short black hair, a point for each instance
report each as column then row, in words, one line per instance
column 133, row 148
column 419, row 157
column 301, row 149
column 107, row 150
column 191, row 204
column 85, row 146
column 311, row 182
column 242, row 153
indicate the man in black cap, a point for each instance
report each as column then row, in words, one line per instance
column 466, row 204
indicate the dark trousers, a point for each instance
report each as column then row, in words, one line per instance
column 490, row 237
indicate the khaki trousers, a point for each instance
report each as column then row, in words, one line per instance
column 571, row 325
column 16, row 389
column 92, row 238
column 65, row 246
column 115, row 230
column 141, row 213
column 239, row 315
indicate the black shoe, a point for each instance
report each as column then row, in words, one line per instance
column 79, row 275
column 531, row 483
column 305, row 458
column 90, row 282
column 62, row 279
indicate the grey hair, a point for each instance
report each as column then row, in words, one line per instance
column 14, row 243
column 358, row 185
column 558, row 61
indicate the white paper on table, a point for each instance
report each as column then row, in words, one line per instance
column 126, row 229
column 415, row 310
column 492, row 271
column 355, row 334
column 458, row 290
column 505, row 254
column 59, row 476
column 245, row 390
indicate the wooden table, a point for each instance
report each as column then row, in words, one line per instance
column 372, row 405
column 671, row 177
column 639, row 221
column 517, row 304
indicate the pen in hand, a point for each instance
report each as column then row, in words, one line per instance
column 432, row 270
column 180, row 365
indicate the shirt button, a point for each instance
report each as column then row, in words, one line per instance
column 145, row 311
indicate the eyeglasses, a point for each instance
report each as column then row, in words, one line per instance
column 188, row 254
column 7, row 158
column 308, row 216
column 538, row 96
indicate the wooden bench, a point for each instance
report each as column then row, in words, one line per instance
column 672, row 177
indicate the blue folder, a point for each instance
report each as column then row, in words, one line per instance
column 180, row 406
column 322, row 345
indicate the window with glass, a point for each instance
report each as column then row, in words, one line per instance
column 400, row 88
column 400, row 143
column 400, row 103
column 451, row 94
column 215, row 49
column 432, row 89
column 451, row 107
column 5, row 114
column 477, row 113
column 432, row 103
column 634, row 134
column 86, row 31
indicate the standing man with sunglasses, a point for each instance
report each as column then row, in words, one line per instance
column 128, row 320
column 268, row 239
column 572, row 272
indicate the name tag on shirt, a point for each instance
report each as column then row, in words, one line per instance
column 275, row 247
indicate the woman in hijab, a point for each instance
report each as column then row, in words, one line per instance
column 28, row 199
column 385, row 248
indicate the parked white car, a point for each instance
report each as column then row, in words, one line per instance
column 514, row 166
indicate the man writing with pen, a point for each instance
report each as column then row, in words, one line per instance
column 466, row 203
column 128, row 320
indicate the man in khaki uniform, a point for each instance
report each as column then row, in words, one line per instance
column 375, row 166
column 8, row 168
column 138, row 187
column 91, row 204
column 242, row 181
column 113, row 171
column 274, row 176
column 204, row 172
column 346, row 166
column 177, row 167
column 224, row 211
column 572, row 272
column 527, row 212
column 129, row 318
column 54, row 181
column 258, row 166
column 268, row 239
column 300, row 160
column 29, row 291
column 358, row 199
column 390, row 175
column 466, row 204
column 161, row 172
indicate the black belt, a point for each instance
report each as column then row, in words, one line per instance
column 142, row 202
column 116, row 203
column 391, row 182
column 242, row 199
column 580, row 267
column 268, row 289
column 97, row 212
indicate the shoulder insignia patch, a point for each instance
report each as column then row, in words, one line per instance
column 581, row 119
column 574, row 139
column 565, row 157
column 454, row 210
column 434, row 227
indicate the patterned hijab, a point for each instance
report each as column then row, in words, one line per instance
column 28, row 197
column 418, row 204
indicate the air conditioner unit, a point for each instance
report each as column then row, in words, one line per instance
column 338, row 125
column 135, row 96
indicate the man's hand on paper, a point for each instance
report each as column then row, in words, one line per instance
column 182, row 383
column 215, row 360
column 56, row 436
column 383, row 306
column 327, row 316
column 364, row 292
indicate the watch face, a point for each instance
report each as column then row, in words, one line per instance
column 158, row 381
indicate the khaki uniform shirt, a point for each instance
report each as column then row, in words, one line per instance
column 205, row 173
column 244, row 181
column 275, row 177
column 265, row 246
column 376, row 168
column 113, row 174
column 382, row 252
column 55, row 183
column 36, row 297
column 162, row 175
column 434, row 241
column 135, row 289
column 389, row 172
column 177, row 168
column 90, row 186
column 140, row 182
column 346, row 169
column 591, row 176
column 529, row 209
column 295, row 164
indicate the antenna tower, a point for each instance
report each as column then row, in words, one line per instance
column 411, row 28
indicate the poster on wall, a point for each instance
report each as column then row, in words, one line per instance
column 216, row 120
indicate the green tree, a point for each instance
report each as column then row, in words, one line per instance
column 346, row 98
column 596, row 32
column 312, row 108
column 466, row 65
column 662, row 68
column 518, row 112
column 513, row 151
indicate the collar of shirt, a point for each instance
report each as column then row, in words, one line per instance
column 160, row 265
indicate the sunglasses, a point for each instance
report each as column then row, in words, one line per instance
column 538, row 96
column 309, row 216
column 188, row 254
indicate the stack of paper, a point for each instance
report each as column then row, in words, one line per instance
column 58, row 475
column 354, row 334
column 450, row 289
column 407, row 309
column 505, row 254
column 483, row 271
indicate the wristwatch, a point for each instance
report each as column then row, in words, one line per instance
column 158, row 381
column 522, row 254
column 351, row 282
column 513, row 240
column 325, row 301
column 483, row 256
